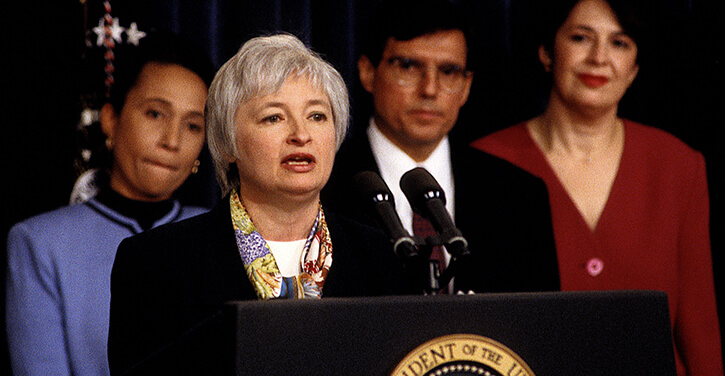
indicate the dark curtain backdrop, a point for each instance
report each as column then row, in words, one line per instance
column 45, row 76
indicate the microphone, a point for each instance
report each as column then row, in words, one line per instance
column 374, row 190
column 427, row 198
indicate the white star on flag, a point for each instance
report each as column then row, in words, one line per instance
column 133, row 34
column 116, row 30
column 101, row 32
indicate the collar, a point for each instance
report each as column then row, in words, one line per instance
column 394, row 162
column 131, row 223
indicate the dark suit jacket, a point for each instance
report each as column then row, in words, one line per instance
column 168, row 285
column 501, row 210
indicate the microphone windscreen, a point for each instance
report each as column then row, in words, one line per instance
column 418, row 183
column 371, row 185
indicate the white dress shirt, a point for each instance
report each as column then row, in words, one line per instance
column 393, row 163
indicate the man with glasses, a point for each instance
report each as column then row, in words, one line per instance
column 415, row 63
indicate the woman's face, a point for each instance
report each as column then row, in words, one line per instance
column 285, row 143
column 158, row 134
column 594, row 62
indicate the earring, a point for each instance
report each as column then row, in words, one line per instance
column 195, row 168
column 109, row 143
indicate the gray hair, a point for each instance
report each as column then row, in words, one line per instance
column 260, row 68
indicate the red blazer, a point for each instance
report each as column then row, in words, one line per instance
column 653, row 233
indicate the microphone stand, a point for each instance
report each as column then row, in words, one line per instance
column 449, row 272
column 428, row 272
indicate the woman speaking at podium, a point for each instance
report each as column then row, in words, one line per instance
column 276, row 114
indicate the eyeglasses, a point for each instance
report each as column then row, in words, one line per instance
column 407, row 72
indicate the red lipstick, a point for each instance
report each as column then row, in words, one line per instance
column 592, row 81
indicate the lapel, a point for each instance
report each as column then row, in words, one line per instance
column 336, row 278
column 462, row 164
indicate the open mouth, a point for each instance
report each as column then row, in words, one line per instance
column 299, row 160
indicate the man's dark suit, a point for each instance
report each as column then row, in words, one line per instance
column 501, row 210
column 169, row 284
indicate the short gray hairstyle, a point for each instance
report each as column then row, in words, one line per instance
column 260, row 68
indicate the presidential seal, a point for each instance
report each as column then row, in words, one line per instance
column 462, row 354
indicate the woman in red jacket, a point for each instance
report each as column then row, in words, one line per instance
column 629, row 202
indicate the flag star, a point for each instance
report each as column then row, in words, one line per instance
column 88, row 117
column 133, row 34
column 116, row 30
column 101, row 32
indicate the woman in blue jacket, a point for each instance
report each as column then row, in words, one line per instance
column 59, row 262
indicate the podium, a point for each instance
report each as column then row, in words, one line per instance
column 559, row 333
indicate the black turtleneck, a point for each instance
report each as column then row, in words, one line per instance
column 145, row 213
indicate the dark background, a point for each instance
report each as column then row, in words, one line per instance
column 48, row 70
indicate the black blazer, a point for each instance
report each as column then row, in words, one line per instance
column 169, row 284
column 502, row 210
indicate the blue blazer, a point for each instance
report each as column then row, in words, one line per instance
column 58, row 286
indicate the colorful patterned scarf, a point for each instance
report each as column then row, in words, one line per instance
column 262, row 268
